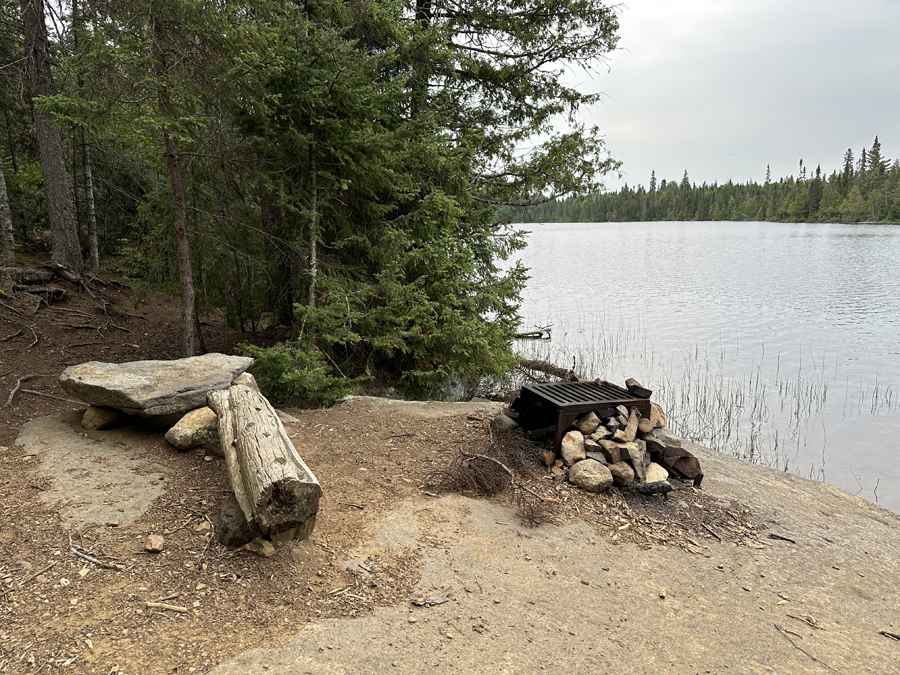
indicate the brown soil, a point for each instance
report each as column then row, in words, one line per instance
column 61, row 611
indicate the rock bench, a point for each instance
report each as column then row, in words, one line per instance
column 210, row 401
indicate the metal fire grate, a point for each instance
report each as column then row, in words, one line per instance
column 561, row 403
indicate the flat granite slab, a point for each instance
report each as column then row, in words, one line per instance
column 152, row 388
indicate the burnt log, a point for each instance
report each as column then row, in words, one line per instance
column 273, row 486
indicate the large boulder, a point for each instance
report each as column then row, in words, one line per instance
column 152, row 388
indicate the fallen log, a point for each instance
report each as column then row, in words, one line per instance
column 273, row 486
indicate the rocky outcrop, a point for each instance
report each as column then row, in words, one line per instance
column 152, row 388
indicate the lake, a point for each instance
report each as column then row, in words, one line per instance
column 776, row 342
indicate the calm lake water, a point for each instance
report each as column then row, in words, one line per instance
column 777, row 342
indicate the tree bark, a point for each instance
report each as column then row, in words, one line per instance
column 66, row 248
column 273, row 486
column 93, row 246
column 182, row 247
column 313, row 230
column 8, row 249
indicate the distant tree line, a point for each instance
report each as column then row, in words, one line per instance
column 866, row 189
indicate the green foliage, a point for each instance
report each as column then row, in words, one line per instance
column 292, row 372
column 342, row 163
column 869, row 191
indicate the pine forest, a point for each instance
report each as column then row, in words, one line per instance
column 332, row 169
column 866, row 189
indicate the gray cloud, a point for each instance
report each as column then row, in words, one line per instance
column 724, row 87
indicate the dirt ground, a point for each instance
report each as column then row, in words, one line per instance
column 62, row 611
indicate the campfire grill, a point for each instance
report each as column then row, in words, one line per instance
column 561, row 403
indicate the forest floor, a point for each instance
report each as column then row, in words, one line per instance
column 59, row 611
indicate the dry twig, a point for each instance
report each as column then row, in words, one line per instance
column 31, row 578
column 15, row 389
column 7, row 339
column 40, row 393
column 799, row 648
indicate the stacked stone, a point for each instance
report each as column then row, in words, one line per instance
column 600, row 453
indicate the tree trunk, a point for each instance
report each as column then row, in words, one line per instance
column 182, row 247
column 93, row 246
column 273, row 486
column 179, row 203
column 66, row 248
column 313, row 230
column 8, row 249
column 277, row 258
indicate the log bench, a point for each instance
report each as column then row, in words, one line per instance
column 273, row 486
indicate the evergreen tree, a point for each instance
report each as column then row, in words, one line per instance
column 66, row 247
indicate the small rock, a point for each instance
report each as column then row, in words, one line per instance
column 654, row 446
column 596, row 456
column 588, row 423
column 155, row 543
column 600, row 433
column 656, row 473
column 645, row 427
column 572, row 447
column 628, row 434
column 198, row 427
column 502, row 424
column 591, row 476
column 662, row 593
column 548, row 458
column 611, row 451
column 629, row 450
column 612, row 425
column 622, row 473
column 622, row 410
column 203, row 528
column 96, row 417
column 635, row 388
column 283, row 416
column 260, row 547
column 657, row 415
column 112, row 523
column 667, row 436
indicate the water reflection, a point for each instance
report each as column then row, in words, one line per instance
column 782, row 309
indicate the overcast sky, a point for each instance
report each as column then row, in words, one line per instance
column 724, row 87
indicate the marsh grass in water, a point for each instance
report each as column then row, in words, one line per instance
column 760, row 409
